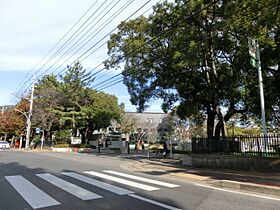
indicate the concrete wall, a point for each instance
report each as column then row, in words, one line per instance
column 235, row 162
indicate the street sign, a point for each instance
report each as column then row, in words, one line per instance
column 253, row 51
column 76, row 140
column 37, row 130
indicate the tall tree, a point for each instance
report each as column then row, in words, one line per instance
column 47, row 99
column 70, row 103
column 193, row 53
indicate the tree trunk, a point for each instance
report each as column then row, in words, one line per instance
column 89, row 131
column 20, row 142
column 210, row 123
column 13, row 140
column 220, row 127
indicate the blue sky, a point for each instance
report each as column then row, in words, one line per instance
column 29, row 29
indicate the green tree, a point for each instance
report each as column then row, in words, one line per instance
column 47, row 97
column 70, row 104
column 188, row 64
column 97, row 113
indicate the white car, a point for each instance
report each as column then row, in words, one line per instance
column 4, row 145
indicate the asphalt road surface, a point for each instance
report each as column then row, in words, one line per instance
column 47, row 180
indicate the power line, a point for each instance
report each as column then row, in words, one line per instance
column 131, row 51
column 101, row 70
column 69, row 40
column 106, row 81
column 108, row 33
column 152, row 39
column 109, row 20
column 71, row 47
column 93, row 33
column 104, row 37
column 57, row 43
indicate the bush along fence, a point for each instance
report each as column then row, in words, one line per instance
column 244, row 145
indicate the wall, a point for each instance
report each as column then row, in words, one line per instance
column 235, row 162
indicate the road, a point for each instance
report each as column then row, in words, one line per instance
column 47, row 180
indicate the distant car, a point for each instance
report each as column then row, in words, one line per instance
column 4, row 145
column 156, row 147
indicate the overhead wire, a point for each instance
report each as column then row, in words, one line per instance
column 102, row 70
column 79, row 39
column 104, row 43
column 103, row 38
column 71, row 37
column 57, row 43
column 152, row 39
column 115, row 81
column 94, row 33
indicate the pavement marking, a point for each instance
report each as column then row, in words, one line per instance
column 97, row 183
column 69, row 187
column 238, row 192
column 153, row 202
column 32, row 194
column 152, row 181
column 122, row 181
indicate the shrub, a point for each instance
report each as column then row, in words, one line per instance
column 63, row 137
column 61, row 145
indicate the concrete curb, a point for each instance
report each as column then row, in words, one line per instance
column 247, row 187
column 228, row 184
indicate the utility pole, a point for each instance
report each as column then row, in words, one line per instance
column 254, row 51
column 29, row 115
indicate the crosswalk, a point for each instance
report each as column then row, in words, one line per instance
column 37, row 198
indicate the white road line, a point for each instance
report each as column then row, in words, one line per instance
column 122, row 181
column 102, row 185
column 69, row 187
column 32, row 194
column 152, row 181
column 238, row 192
column 153, row 202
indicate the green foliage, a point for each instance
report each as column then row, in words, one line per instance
column 70, row 104
column 63, row 137
column 61, row 145
column 200, row 61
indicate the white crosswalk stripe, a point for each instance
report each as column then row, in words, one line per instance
column 32, row 194
column 152, row 181
column 102, row 185
column 122, row 181
column 69, row 187
column 37, row 198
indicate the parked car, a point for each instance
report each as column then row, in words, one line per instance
column 4, row 145
column 156, row 147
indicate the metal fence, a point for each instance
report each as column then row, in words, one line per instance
column 253, row 144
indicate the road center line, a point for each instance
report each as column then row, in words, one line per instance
column 153, row 202
column 32, row 194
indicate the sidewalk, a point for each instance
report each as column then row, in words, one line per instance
column 267, row 183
